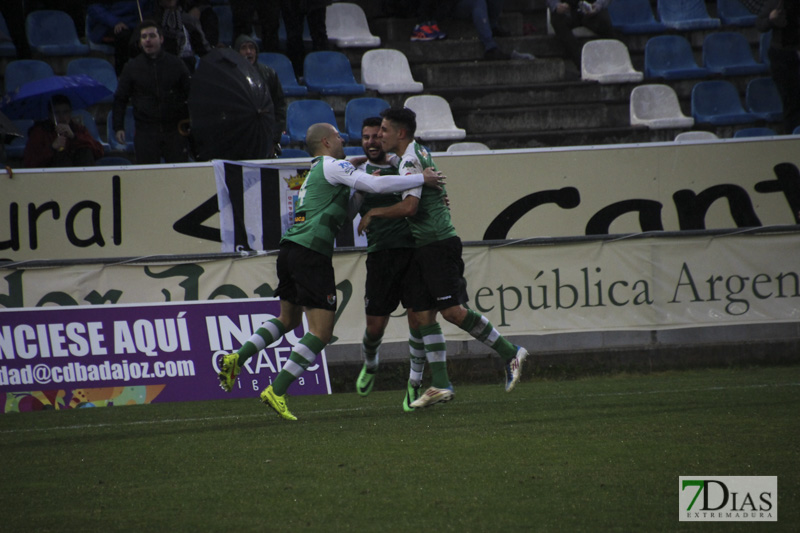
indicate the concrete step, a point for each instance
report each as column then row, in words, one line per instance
column 553, row 117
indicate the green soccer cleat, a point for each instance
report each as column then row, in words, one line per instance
column 278, row 403
column 230, row 370
column 433, row 396
column 412, row 393
column 365, row 381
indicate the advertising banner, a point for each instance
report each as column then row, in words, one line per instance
column 604, row 285
column 85, row 356
column 519, row 194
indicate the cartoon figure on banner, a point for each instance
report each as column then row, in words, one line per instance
column 294, row 182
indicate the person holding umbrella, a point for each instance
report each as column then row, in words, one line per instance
column 157, row 84
column 60, row 141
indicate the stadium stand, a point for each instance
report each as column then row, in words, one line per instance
column 52, row 33
column 733, row 13
column 330, row 72
column 686, row 15
column 434, row 118
column 717, row 102
column 656, row 106
column 754, row 132
column 634, row 16
column 283, row 68
column 387, row 71
column 130, row 132
column 347, row 26
column 97, row 68
column 608, row 61
column 301, row 114
column 728, row 53
column 762, row 100
column 22, row 71
column 7, row 48
column 670, row 57
column 357, row 110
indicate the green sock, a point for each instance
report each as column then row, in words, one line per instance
column 436, row 353
column 479, row 327
column 416, row 355
column 302, row 356
column 370, row 348
column 269, row 332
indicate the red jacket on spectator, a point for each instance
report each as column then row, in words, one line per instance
column 39, row 150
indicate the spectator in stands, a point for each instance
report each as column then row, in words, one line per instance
column 113, row 23
column 157, row 83
column 14, row 14
column 783, row 18
column 295, row 12
column 268, row 11
column 485, row 16
column 247, row 46
column 61, row 141
column 183, row 35
column 202, row 11
column 565, row 15
column 430, row 11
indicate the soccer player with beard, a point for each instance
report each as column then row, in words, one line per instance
column 306, row 281
column 436, row 277
column 390, row 247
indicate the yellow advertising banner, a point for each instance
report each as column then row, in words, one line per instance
column 645, row 283
column 156, row 210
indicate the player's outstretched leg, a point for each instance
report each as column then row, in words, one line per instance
column 441, row 389
column 269, row 332
column 366, row 378
column 278, row 403
column 514, row 356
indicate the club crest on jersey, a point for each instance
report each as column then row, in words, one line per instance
column 408, row 164
column 331, row 299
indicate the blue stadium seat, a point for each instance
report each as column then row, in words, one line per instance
column 329, row 72
column 88, row 120
column 796, row 131
column 112, row 161
column 283, row 67
column 634, row 16
column 24, row 70
column 685, row 15
column 671, row 57
column 103, row 48
column 763, row 100
column 301, row 114
column 357, row 110
column 728, row 53
column 7, row 48
column 293, row 153
column 52, row 33
column 98, row 69
column 763, row 47
column 225, row 17
column 717, row 102
column 351, row 151
column 733, row 13
column 755, row 132
column 130, row 131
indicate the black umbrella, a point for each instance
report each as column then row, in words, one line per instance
column 230, row 108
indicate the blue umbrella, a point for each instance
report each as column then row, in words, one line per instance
column 32, row 99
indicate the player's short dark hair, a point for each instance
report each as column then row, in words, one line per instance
column 149, row 23
column 403, row 117
column 371, row 122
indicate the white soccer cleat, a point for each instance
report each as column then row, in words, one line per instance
column 432, row 396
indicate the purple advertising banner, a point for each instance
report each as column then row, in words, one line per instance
column 92, row 356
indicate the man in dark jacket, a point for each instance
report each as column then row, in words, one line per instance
column 248, row 48
column 783, row 18
column 157, row 84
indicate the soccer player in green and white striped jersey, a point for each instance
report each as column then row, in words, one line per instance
column 436, row 280
column 306, row 281
column 390, row 248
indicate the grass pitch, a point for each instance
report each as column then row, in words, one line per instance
column 594, row 454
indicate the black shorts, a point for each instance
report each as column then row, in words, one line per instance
column 305, row 277
column 386, row 272
column 436, row 277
